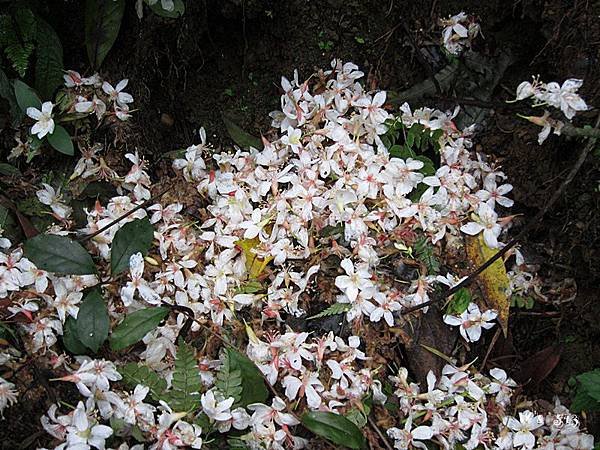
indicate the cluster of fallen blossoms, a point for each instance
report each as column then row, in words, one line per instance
column 81, row 97
column 459, row 32
column 328, row 168
column 563, row 97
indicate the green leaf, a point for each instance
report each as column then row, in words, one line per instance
column 186, row 383
column 102, row 23
column 17, row 33
column 424, row 252
column 253, row 383
column 590, row 383
column 133, row 237
column 92, row 321
column 59, row 254
column 8, row 170
column 135, row 326
column 459, row 303
column 134, row 374
column 229, row 379
column 26, row 97
column 177, row 12
column 584, row 402
column 49, row 60
column 61, row 141
column 239, row 136
column 336, row 308
column 7, row 92
column 428, row 168
column 71, row 339
column 334, row 428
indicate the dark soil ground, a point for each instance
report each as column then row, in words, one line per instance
column 227, row 56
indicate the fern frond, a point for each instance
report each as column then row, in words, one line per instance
column 424, row 252
column 229, row 379
column 333, row 310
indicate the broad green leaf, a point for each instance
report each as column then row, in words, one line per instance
column 334, row 428
column 133, row 237
column 590, row 383
column 494, row 280
column 26, row 97
column 178, row 10
column 459, row 302
column 102, row 23
column 135, row 326
column 253, row 383
column 7, row 92
column 92, row 321
column 428, row 168
column 61, row 141
column 59, row 254
column 134, row 374
column 48, row 61
column 239, row 136
column 71, row 339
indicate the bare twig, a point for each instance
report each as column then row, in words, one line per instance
column 532, row 223
column 87, row 237
column 375, row 428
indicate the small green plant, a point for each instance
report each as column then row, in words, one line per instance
column 324, row 44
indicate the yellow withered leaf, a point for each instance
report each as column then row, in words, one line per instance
column 493, row 280
column 254, row 264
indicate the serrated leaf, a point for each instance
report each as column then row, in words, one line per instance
column 494, row 281
column 459, row 302
column 92, row 322
column 134, row 374
column 61, row 141
column 26, row 96
column 229, row 379
column 48, row 61
column 59, row 254
column 186, row 383
column 178, row 10
column 253, row 383
column 424, row 252
column 239, row 136
column 334, row 428
column 335, row 309
column 71, row 338
column 102, row 23
column 135, row 326
column 133, row 237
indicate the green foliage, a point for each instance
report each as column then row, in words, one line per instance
column 59, row 254
column 22, row 33
column 102, row 23
column 333, row 310
column 335, row 428
column 242, row 372
column 229, row 379
column 133, row 237
column 424, row 252
column 459, row 302
column 134, row 374
column 239, row 136
column 184, row 394
column 587, row 396
column 18, row 32
column 92, row 322
column 359, row 415
column 416, row 139
column 71, row 339
column 186, row 383
column 26, row 96
column 7, row 92
column 61, row 141
column 135, row 326
column 49, row 61
column 520, row 301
